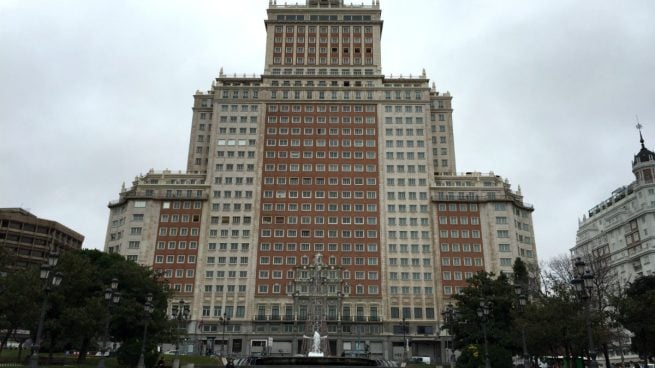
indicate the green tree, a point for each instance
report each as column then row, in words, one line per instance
column 637, row 314
column 520, row 270
column 467, row 327
column 6, row 260
column 78, row 311
column 19, row 301
column 554, row 325
column 525, row 283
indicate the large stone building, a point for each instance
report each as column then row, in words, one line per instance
column 617, row 235
column 32, row 239
column 621, row 228
column 482, row 225
column 320, row 182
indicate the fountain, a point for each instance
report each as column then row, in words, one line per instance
column 315, row 347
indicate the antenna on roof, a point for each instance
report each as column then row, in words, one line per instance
column 639, row 126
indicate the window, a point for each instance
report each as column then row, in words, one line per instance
column 502, row 233
column 501, row 220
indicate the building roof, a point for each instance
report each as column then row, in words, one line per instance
column 644, row 154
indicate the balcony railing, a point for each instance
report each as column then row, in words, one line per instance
column 302, row 318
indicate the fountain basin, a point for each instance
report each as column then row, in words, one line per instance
column 310, row 362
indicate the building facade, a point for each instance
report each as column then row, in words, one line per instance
column 322, row 168
column 620, row 229
column 483, row 225
column 31, row 239
column 157, row 223
column 617, row 234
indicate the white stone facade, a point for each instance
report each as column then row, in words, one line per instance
column 622, row 227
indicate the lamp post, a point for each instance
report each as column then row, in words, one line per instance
column 583, row 284
column 50, row 280
column 484, row 311
column 181, row 315
column 112, row 297
column 449, row 317
column 340, row 295
column 404, row 327
column 522, row 302
column 224, row 320
column 148, row 308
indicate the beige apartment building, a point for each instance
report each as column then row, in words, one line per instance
column 319, row 169
column 482, row 225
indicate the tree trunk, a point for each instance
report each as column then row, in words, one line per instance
column 4, row 340
column 84, row 349
column 567, row 356
column 606, row 354
column 20, row 351
column 51, row 348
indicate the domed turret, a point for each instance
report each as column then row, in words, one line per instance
column 643, row 165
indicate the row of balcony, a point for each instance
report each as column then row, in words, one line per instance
column 292, row 318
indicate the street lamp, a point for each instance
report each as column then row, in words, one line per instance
column 338, row 315
column 112, row 297
column 224, row 320
column 449, row 317
column 50, row 280
column 583, row 283
column 484, row 311
column 148, row 308
column 181, row 315
column 522, row 302
column 404, row 326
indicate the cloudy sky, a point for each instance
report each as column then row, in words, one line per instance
column 93, row 93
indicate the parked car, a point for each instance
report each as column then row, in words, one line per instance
column 12, row 345
column 421, row 360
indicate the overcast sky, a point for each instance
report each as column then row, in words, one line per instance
column 93, row 93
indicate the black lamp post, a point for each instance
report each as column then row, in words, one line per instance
column 484, row 311
column 50, row 280
column 583, row 284
column 181, row 315
column 449, row 317
column 404, row 326
column 112, row 297
column 225, row 321
column 148, row 308
column 340, row 296
column 522, row 302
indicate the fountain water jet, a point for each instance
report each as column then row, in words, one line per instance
column 316, row 345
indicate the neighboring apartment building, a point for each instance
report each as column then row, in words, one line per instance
column 620, row 230
column 622, row 227
column 321, row 167
column 31, row 239
column 482, row 225
column 157, row 222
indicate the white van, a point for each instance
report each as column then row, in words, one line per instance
column 421, row 360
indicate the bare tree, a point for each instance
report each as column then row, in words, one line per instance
column 606, row 285
column 556, row 274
